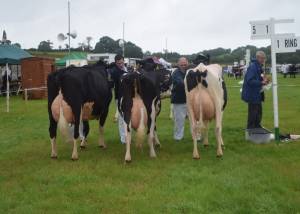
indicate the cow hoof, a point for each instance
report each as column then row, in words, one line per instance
column 196, row 155
column 152, row 154
column 127, row 161
column 102, row 146
column 206, row 145
column 82, row 147
column 157, row 146
column 74, row 159
column 54, row 157
column 219, row 155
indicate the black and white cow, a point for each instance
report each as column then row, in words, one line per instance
column 206, row 97
column 140, row 102
column 76, row 95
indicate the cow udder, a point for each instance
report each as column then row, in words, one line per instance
column 87, row 111
column 202, row 97
column 67, row 111
column 137, row 105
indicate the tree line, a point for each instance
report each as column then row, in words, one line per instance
column 218, row 55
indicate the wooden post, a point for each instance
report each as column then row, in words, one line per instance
column 26, row 94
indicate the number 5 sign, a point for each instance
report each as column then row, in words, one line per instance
column 260, row 30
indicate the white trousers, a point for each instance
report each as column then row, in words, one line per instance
column 121, row 123
column 179, row 112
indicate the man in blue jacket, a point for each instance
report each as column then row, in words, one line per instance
column 178, row 98
column 252, row 90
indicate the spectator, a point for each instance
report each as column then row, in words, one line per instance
column 251, row 92
column 178, row 98
column 116, row 73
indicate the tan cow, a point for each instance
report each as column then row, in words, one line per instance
column 206, row 99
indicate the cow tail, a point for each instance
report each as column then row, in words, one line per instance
column 225, row 96
column 64, row 126
column 140, row 132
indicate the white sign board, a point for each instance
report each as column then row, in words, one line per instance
column 286, row 43
column 260, row 30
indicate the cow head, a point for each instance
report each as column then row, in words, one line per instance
column 149, row 64
column 164, row 79
column 130, row 81
column 152, row 64
column 201, row 58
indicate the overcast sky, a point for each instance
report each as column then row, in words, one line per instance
column 189, row 25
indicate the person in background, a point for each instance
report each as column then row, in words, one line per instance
column 5, row 75
column 116, row 73
column 252, row 90
column 292, row 71
column 178, row 98
column 284, row 69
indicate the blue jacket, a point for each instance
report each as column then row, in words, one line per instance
column 178, row 91
column 253, row 84
column 116, row 74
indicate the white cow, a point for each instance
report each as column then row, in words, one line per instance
column 206, row 99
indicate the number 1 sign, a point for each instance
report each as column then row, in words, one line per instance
column 260, row 30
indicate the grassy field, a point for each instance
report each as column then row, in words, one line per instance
column 248, row 179
column 53, row 54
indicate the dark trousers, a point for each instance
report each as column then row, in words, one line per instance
column 254, row 115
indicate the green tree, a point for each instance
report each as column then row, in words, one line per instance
column 147, row 53
column 17, row 45
column 45, row 46
column 107, row 45
column 133, row 51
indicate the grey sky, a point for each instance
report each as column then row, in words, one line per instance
column 189, row 25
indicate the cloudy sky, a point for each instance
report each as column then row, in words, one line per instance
column 189, row 25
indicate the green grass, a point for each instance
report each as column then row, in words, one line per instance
column 248, row 179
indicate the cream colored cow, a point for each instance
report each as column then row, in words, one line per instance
column 206, row 98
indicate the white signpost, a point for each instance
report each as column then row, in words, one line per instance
column 280, row 43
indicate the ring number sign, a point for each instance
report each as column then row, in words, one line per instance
column 260, row 30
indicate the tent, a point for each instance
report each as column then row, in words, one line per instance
column 10, row 54
column 75, row 58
